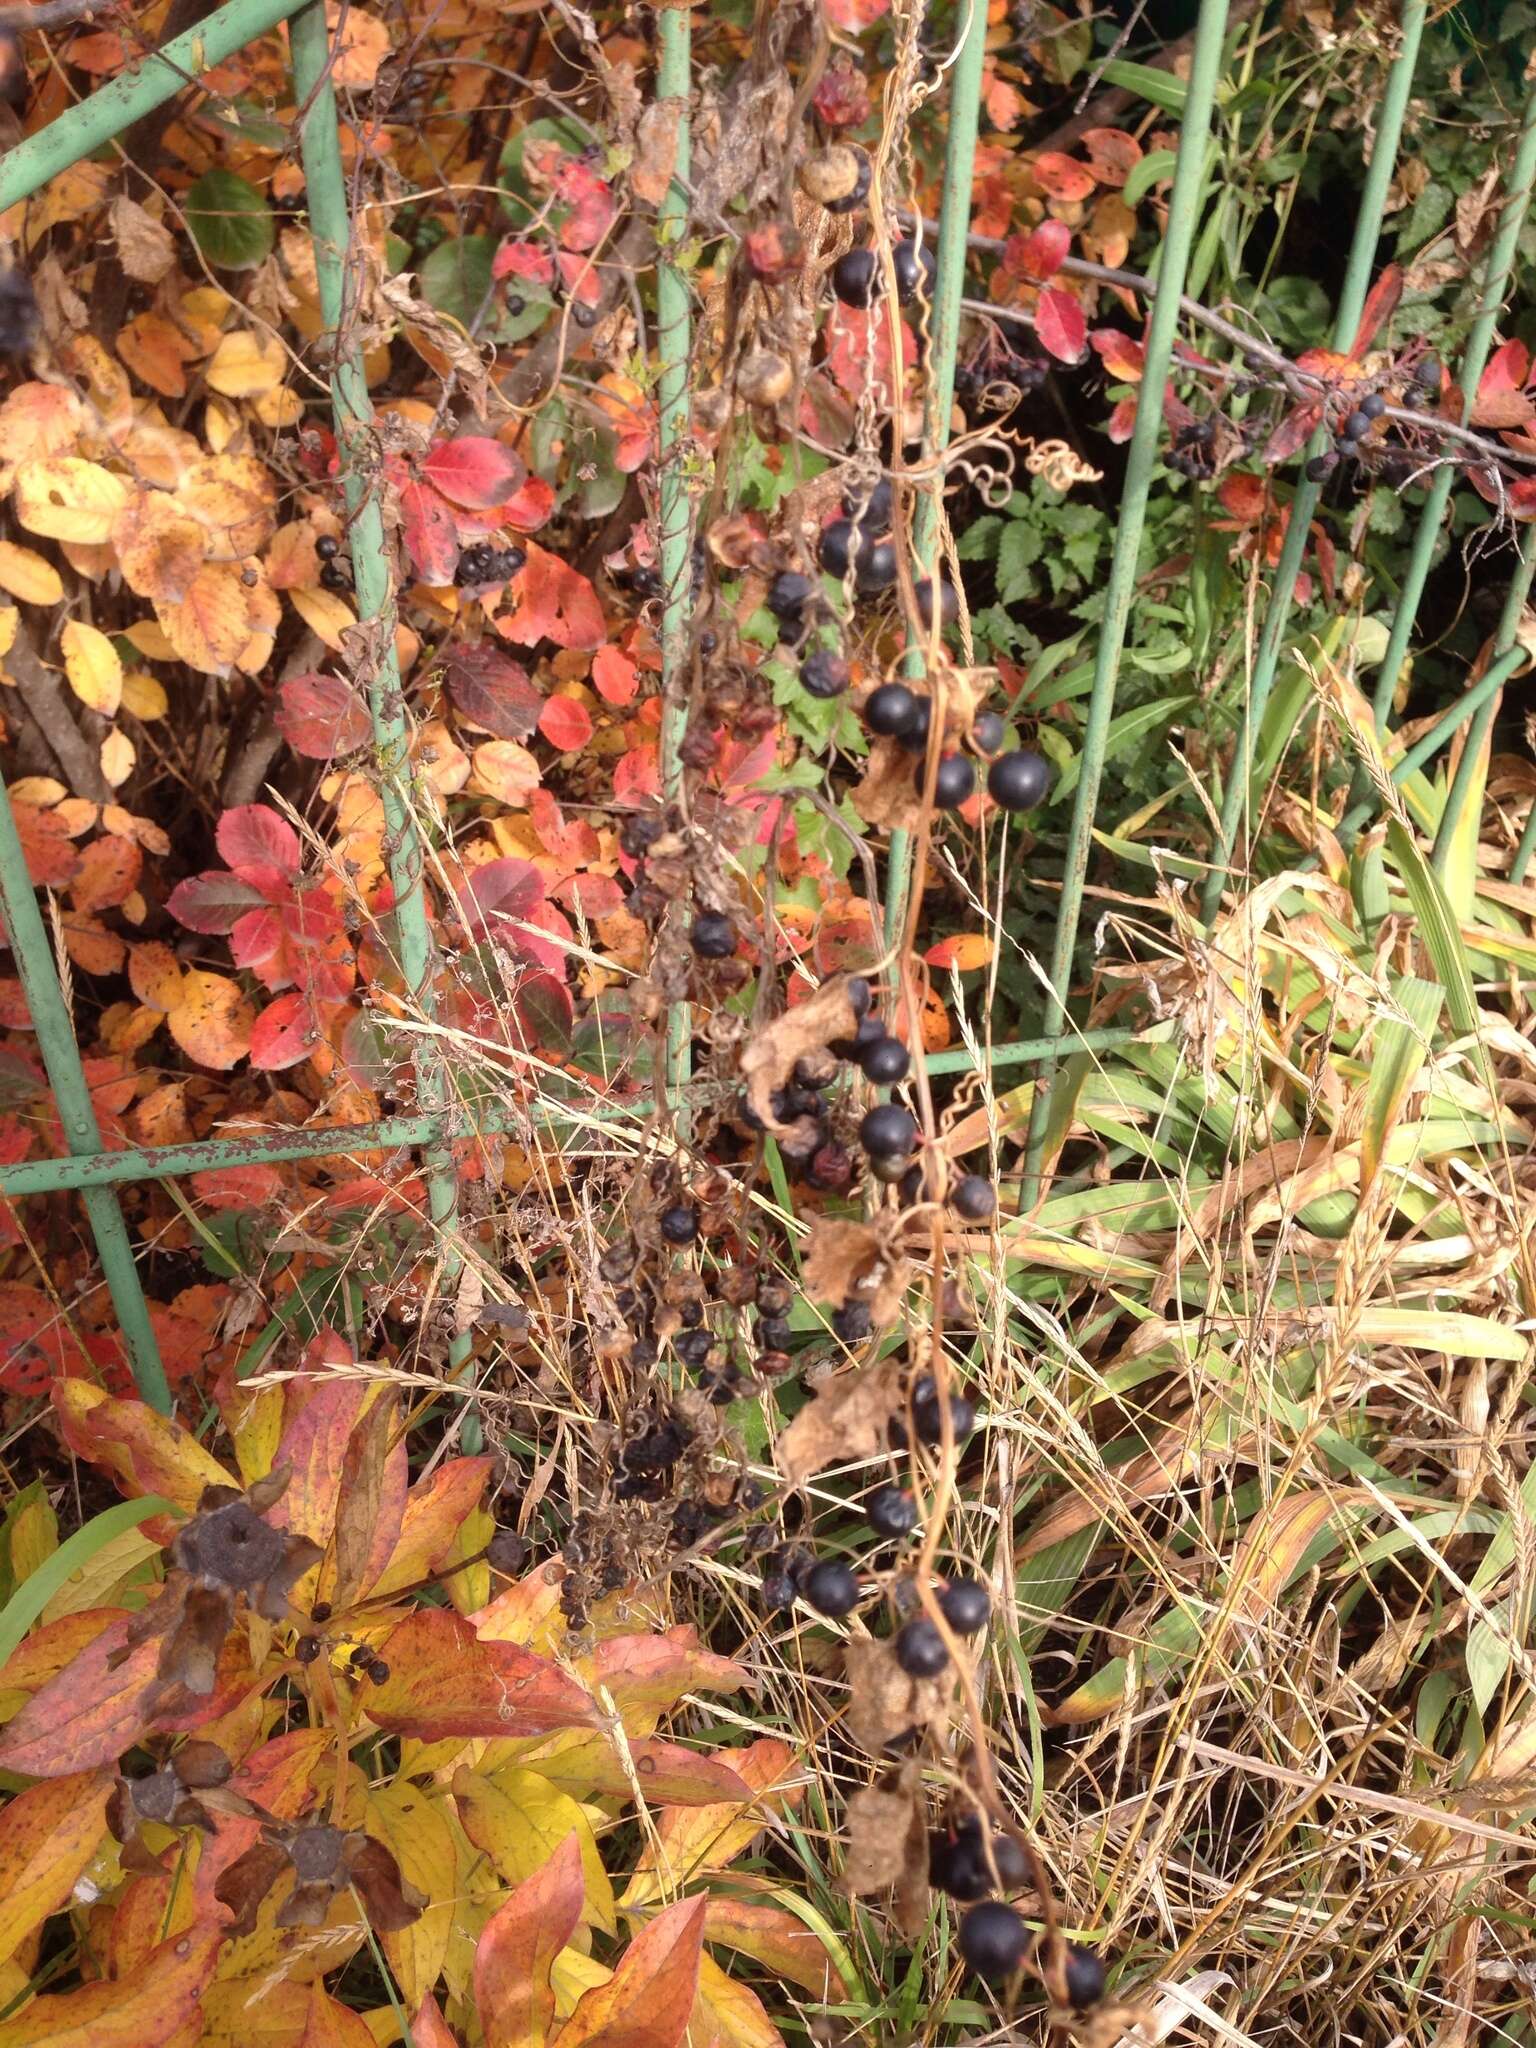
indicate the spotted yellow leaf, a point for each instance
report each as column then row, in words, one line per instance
column 28, row 575
column 64, row 497
column 326, row 615
column 146, row 638
column 245, row 365
column 143, row 696
column 211, row 1020
column 94, row 668
column 117, row 758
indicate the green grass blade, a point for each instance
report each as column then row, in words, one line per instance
column 33, row 1594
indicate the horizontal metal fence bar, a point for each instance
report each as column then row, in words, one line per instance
column 134, row 93
column 1020, row 1051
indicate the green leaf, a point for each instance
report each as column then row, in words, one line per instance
column 1156, row 165
column 33, row 1595
column 456, row 280
column 230, row 220
column 1125, row 732
column 1437, row 927
column 1161, row 88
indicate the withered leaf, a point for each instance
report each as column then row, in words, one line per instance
column 889, row 794
column 656, row 154
column 362, row 1487
column 887, row 1844
column 884, row 1704
column 769, row 1055
column 856, row 1262
column 849, row 1418
column 324, row 1861
column 145, row 249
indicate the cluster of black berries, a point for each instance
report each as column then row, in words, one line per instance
column 483, row 562
column 364, row 1662
column 334, row 575
column 1016, row 782
column 856, row 274
column 1193, row 451
column 992, row 377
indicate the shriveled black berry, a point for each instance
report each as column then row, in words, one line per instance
column 892, row 710
column 693, row 1346
column 788, row 592
column 993, row 1939
column 891, row 1511
column 712, row 935
column 831, row 1587
column 852, row 1323
column 856, row 277
column 637, row 835
column 1372, row 406
column 919, row 1648
column 679, row 1224
column 954, row 780
column 1017, row 782
column 773, row 1295
column 378, row 1671
column 824, row 674
column 1357, row 426
column 1086, row 1976
column 307, row 1649
column 774, row 1333
column 888, row 1131
column 1321, row 467
column 973, row 1197
column 885, row 1062
column 915, row 271
column 327, row 547
column 778, row 1592
column 965, row 1606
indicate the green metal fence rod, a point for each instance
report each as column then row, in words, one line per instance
column 134, row 93
column 1018, row 1052
column 55, row 1030
column 1495, row 283
column 373, row 575
column 1189, row 171
column 964, row 118
column 1304, row 501
column 674, row 29
column 1466, row 768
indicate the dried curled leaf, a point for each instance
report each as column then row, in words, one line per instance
column 887, row 1845
column 324, row 1861
column 884, row 1704
column 769, row 1055
column 849, row 1418
column 856, row 1262
column 889, row 795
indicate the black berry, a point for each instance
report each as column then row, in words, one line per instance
column 965, row 1606
column 876, row 567
column 915, row 272
column 954, row 780
column 712, row 935
column 852, row 1323
column 860, row 995
column 891, row 1511
column 927, row 1414
column 1372, row 406
column 327, row 547
column 1321, row 467
column 1018, row 781
column 836, row 548
column 1357, row 426
column 788, row 592
column 949, row 602
column 988, row 731
column 831, row 1587
column 680, row 1224
column 856, row 277
column 307, row 1649
column 778, row 1592
column 693, row 1346
column 870, row 513
column 885, row 1062
column 1428, row 376
column 888, row 1131
column 824, row 674
column 1085, row 1975
column 993, row 1940
column 973, row 1197
column 1347, row 448
column 638, row 835
column 957, row 1866
column 321, row 1611
column 919, row 1648
column 334, row 577
column 891, row 710
column 915, row 738
column 378, row 1671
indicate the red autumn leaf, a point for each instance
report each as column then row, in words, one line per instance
column 566, row 724
column 1121, row 354
column 283, row 1034
column 500, row 888
column 444, row 1681
column 36, row 1344
column 1112, row 154
column 1292, row 433
column 237, row 1187
column 615, row 676
column 1060, row 326
column 152, row 2006
column 852, row 15
column 858, row 340
column 321, row 716
column 1245, row 496
column 647, row 2001
column 51, row 859
column 637, row 775
column 518, row 257
column 318, row 1447
column 553, row 601
column 213, row 902
column 1379, row 308
column 646, row 1675
column 474, row 471
column 1508, row 369
column 1039, row 254
column 529, row 506
column 1122, row 421
column 490, row 689
column 591, row 201
column 1004, row 103
column 1061, row 177
column 255, row 836
column 428, row 2027
column 518, row 1946
column 108, row 874
column 581, row 278
column 671, row 1775
column 431, row 533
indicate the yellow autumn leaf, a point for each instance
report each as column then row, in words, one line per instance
column 519, row 1819
column 403, row 1817
column 326, row 615
column 281, row 407
column 212, row 1020
column 143, row 696
column 94, row 668
column 221, row 425
column 117, row 758
column 362, row 46
column 245, row 364
column 28, row 575
column 505, row 769
column 42, row 792
column 211, row 626
column 160, row 547
column 234, row 499
column 146, row 638
column 63, row 497
column 9, row 620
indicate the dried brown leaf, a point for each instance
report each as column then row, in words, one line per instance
column 887, row 1845
column 656, row 155
column 849, row 1418
column 769, row 1056
column 889, row 796
column 884, row 1704
column 145, row 249
column 856, row 1262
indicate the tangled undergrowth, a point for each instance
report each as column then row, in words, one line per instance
column 846, row 1522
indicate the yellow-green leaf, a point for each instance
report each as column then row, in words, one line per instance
column 94, row 667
